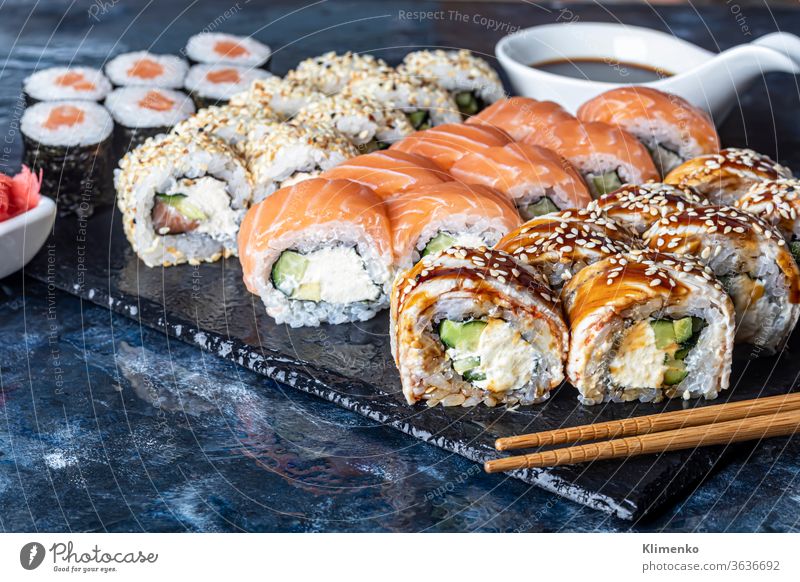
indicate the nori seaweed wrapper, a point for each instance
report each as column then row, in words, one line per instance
column 130, row 138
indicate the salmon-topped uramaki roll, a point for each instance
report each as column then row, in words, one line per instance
column 537, row 179
column 471, row 326
column 428, row 219
column 671, row 128
column 445, row 144
column 389, row 172
column 645, row 325
column 778, row 203
column 560, row 244
column 751, row 261
column 318, row 251
column 522, row 118
column 606, row 156
column 723, row 178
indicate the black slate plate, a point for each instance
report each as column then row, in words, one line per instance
column 350, row 365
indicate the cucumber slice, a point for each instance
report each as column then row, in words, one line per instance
column 467, row 103
column 681, row 354
column 288, row 271
column 463, row 336
column 794, row 248
column 438, row 243
column 464, row 365
column 473, row 376
column 542, row 206
column 675, row 373
column 683, row 329
column 606, row 183
column 418, row 119
column 181, row 203
column 664, row 332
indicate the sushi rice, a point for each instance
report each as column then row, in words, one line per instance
column 142, row 68
column 65, row 83
column 213, row 84
column 330, row 73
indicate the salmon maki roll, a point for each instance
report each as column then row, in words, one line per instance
column 671, row 128
column 606, row 156
column 429, row 219
column 389, row 172
column 537, row 179
column 318, row 251
column 522, row 118
column 448, row 143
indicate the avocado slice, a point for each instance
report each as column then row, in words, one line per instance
column 288, row 271
column 794, row 248
column 438, row 243
column 605, row 183
column 542, row 206
column 683, row 329
column 463, row 336
column 464, row 365
column 664, row 332
column 675, row 373
column 418, row 119
column 181, row 203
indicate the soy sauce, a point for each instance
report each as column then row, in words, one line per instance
column 602, row 70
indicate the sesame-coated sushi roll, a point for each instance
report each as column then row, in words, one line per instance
column 283, row 96
column 215, row 84
column 561, row 244
column 427, row 219
column 472, row 82
column 182, row 199
column 537, row 179
column 330, row 73
column 389, row 172
column 424, row 103
column 66, row 83
column 723, row 178
column 638, row 207
column 445, row 144
column 644, row 326
column 671, row 128
column 751, row 261
column 142, row 68
column 778, row 203
column 606, row 156
column 318, row 251
column 220, row 48
column 523, row 118
column 470, row 326
column 230, row 123
column 281, row 154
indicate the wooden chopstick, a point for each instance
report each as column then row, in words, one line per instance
column 652, row 423
column 718, row 433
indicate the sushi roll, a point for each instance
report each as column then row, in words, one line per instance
column 470, row 80
column 66, row 83
column 638, row 207
column 143, row 112
column 142, row 68
column 470, row 326
column 425, row 104
column 537, row 179
column 606, row 156
column 283, row 96
column 70, row 143
column 216, row 48
column 445, row 144
column 560, row 244
column 725, row 177
column 389, row 172
column 367, row 124
column 230, row 123
column 428, row 219
column 672, row 129
column 751, row 261
column 215, row 84
column 778, row 203
column 182, row 199
column 523, row 118
column 281, row 154
column 330, row 73
column 644, row 326
column 318, row 251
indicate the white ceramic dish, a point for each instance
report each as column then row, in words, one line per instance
column 21, row 237
column 708, row 80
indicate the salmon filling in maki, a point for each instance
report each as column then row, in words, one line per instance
column 194, row 205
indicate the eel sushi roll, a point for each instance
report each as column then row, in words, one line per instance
column 725, row 177
column 70, row 143
column 445, row 144
column 283, row 96
column 751, row 261
column 281, row 154
column 142, row 68
column 606, row 156
column 318, row 251
column 331, row 72
column 182, row 199
column 672, row 129
column 470, row 326
column 638, row 207
column 470, row 80
column 389, row 172
column 220, row 48
column 424, row 103
column 215, row 84
column 143, row 112
column 522, row 118
column 778, row 203
column 561, row 244
column 230, row 123
column 537, row 179
column 644, row 326
column 428, row 219
column 66, row 84
column 366, row 123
